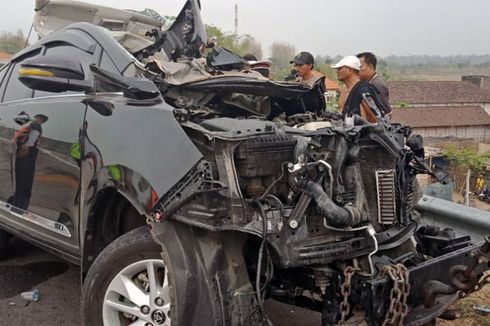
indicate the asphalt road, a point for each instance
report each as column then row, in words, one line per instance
column 58, row 282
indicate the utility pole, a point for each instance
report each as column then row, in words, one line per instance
column 236, row 24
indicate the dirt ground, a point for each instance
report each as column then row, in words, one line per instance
column 469, row 316
column 474, row 201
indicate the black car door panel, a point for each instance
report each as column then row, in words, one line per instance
column 44, row 178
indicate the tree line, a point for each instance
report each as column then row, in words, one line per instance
column 12, row 42
column 390, row 67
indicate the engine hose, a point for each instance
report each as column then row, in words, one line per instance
column 336, row 216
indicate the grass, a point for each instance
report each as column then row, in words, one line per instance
column 469, row 316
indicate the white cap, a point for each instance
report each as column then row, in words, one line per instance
column 348, row 61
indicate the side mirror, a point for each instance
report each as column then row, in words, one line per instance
column 54, row 74
column 136, row 88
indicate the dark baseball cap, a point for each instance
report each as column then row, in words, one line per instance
column 303, row 58
column 42, row 116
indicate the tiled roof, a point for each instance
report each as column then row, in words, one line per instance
column 5, row 57
column 331, row 85
column 434, row 92
column 452, row 116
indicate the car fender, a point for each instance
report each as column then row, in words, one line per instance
column 136, row 146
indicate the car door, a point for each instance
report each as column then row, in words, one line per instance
column 6, row 182
column 44, row 156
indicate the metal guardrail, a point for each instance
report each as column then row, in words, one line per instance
column 464, row 220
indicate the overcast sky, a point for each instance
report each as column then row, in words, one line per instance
column 443, row 27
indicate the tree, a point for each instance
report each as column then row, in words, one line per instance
column 467, row 158
column 383, row 71
column 248, row 44
column 12, row 42
column 148, row 12
column 281, row 54
column 322, row 64
column 241, row 44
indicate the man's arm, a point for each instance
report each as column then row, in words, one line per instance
column 33, row 137
column 367, row 113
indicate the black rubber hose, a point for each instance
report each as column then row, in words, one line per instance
column 336, row 216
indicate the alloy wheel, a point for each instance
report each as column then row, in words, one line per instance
column 138, row 296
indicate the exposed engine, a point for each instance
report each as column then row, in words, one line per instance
column 328, row 204
column 287, row 200
column 332, row 187
column 331, row 207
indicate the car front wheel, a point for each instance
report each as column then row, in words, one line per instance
column 192, row 277
column 128, row 284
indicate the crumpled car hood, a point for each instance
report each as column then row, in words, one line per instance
column 127, row 27
column 187, row 71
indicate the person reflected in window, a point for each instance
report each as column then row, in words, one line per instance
column 26, row 141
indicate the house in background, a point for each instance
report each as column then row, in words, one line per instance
column 444, row 111
column 447, row 123
column 4, row 58
column 478, row 80
column 332, row 90
column 470, row 91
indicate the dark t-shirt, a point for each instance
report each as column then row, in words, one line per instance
column 353, row 101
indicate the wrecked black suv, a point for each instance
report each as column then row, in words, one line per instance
column 191, row 189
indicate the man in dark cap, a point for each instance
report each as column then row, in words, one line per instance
column 303, row 64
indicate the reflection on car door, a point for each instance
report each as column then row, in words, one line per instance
column 6, row 180
column 44, row 167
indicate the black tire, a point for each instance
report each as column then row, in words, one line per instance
column 4, row 241
column 136, row 245
column 199, row 281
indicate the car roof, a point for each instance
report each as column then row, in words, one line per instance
column 52, row 15
column 84, row 36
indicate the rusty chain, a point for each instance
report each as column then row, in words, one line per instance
column 398, row 308
column 345, row 290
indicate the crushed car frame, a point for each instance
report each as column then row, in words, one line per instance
column 190, row 188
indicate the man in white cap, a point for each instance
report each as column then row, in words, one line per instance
column 353, row 97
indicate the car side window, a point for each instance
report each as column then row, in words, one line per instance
column 15, row 90
column 69, row 51
column 106, row 63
